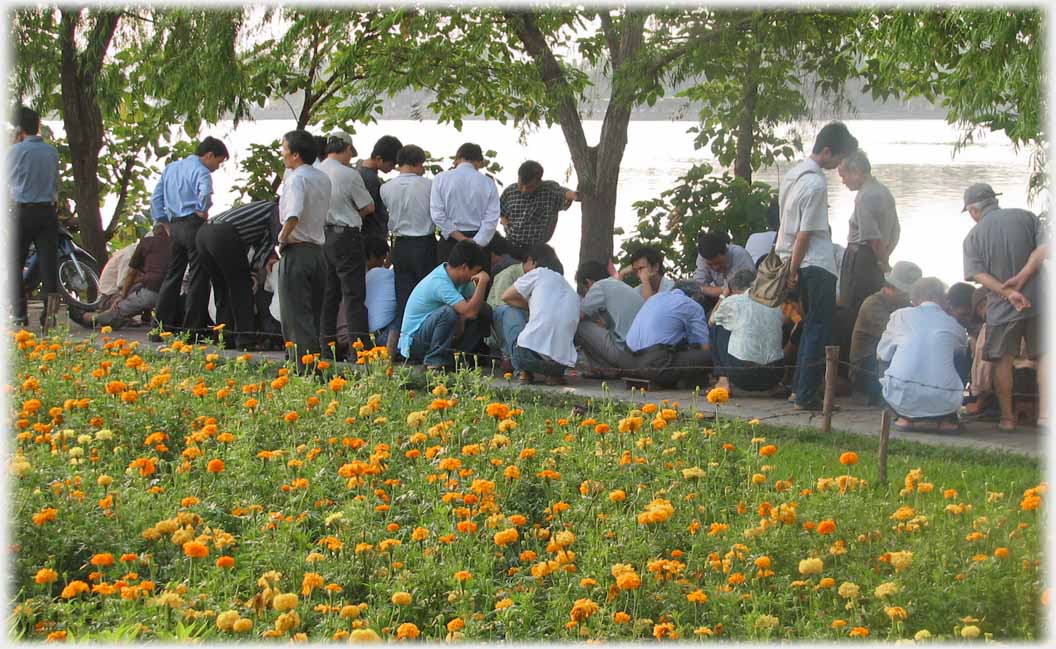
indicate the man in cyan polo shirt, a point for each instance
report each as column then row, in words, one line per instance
column 182, row 198
column 33, row 165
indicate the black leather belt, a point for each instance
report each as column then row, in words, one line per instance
column 342, row 228
column 35, row 204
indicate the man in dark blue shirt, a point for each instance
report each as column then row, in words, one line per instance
column 383, row 159
column 33, row 165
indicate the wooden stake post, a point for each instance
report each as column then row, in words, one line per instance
column 832, row 356
column 885, row 432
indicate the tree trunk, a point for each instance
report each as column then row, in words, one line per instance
column 742, row 165
column 83, row 120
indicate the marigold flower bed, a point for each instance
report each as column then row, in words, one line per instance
column 180, row 495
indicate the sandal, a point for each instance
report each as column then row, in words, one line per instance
column 1001, row 427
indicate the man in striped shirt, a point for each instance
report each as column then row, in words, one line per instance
column 232, row 248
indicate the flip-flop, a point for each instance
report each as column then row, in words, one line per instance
column 1005, row 429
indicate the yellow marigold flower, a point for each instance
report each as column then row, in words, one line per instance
column 582, row 609
column 895, row 613
column 407, row 631
column 506, row 537
column 766, row 622
column 284, row 601
column 885, row 589
column 503, row 604
column 922, row 635
column 811, row 566
column 401, row 598
column 901, row 560
column 848, row 590
column 226, row 620
column 970, row 632
column 693, row 473
column 718, row 395
column 697, row 597
column 363, row 635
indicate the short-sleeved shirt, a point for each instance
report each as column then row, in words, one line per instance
column 553, row 315
column 33, row 165
column 670, row 318
column 1000, row 244
column 347, row 194
column 759, row 244
column 532, row 217
column 376, row 224
column 666, row 284
column 433, row 292
column 803, row 196
column 381, row 297
column 151, row 257
column 406, row 199
column 869, row 326
column 504, row 279
column 755, row 329
column 874, row 216
column 113, row 276
column 305, row 195
column 737, row 258
column 615, row 302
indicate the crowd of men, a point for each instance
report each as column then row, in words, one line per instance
column 451, row 287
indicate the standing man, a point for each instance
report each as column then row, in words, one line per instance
column 997, row 251
column 346, row 267
column 806, row 240
column 303, row 207
column 464, row 203
column 383, row 159
column 529, row 208
column 34, row 180
column 406, row 198
column 182, row 198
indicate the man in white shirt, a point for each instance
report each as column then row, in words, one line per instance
column 746, row 339
column 414, row 240
column 303, row 206
column 648, row 264
column 920, row 381
column 537, row 324
column 806, row 240
column 607, row 310
column 464, row 203
column 759, row 244
column 343, row 250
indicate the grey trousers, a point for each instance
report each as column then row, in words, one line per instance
column 302, row 278
column 138, row 300
column 603, row 352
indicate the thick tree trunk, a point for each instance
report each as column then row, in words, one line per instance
column 742, row 165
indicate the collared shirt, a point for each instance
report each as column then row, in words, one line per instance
column 376, row 224
column 737, row 258
column 305, row 195
column 406, row 198
column 381, row 297
column 670, row 318
column 871, row 322
column 185, row 187
column 803, row 196
column 257, row 226
column 759, row 244
column 755, row 329
column 504, row 279
column 553, row 315
column 347, row 194
column 874, row 217
column 434, row 291
column 999, row 245
column 615, row 302
column 666, row 284
column 33, row 165
column 532, row 218
column 921, row 380
column 466, row 200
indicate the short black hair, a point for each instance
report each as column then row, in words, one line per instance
column 303, row 144
column 592, row 270
column 212, row 145
column 712, row 244
column 375, row 246
column 530, row 171
column 544, row 255
column 27, row 120
column 386, row 148
column 337, row 145
column 498, row 245
column 410, row 154
column 470, row 152
column 960, row 296
column 836, row 138
column 651, row 255
column 467, row 253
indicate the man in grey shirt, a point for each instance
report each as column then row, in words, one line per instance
column 607, row 310
column 1003, row 252
column 717, row 261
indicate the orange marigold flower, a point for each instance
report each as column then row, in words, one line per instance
column 102, row 559
column 827, row 526
column 215, row 466
column 73, row 589
column 45, row 576
column 767, row 450
column 849, row 458
column 225, row 562
column 195, row 550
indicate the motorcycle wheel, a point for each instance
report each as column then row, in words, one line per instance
column 82, row 292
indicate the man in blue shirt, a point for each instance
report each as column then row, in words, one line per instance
column 33, row 165
column 182, row 198
column 669, row 337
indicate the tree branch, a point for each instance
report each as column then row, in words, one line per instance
column 122, row 197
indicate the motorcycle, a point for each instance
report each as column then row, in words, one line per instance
column 76, row 269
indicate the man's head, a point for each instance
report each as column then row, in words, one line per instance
column 854, row 170
column 27, row 121
column 712, row 247
column 928, row 289
column 959, row 301
column 542, row 255
column 588, row 273
column 741, row 281
column 691, row 288
column 385, row 151
column 375, row 249
column 470, row 152
column 411, row 159
column 833, row 143
column 497, row 248
column 647, row 257
column 212, row 153
column 979, row 199
column 466, row 260
column 529, row 177
column 900, row 279
column 298, row 148
column 339, row 146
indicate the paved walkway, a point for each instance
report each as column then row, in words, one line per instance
column 854, row 416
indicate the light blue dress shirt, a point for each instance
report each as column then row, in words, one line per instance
column 185, row 187
column 34, row 168
column 466, row 200
column 669, row 318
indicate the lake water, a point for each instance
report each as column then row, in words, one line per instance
column 914, row 158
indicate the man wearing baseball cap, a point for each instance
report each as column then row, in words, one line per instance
column 1002, row 253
